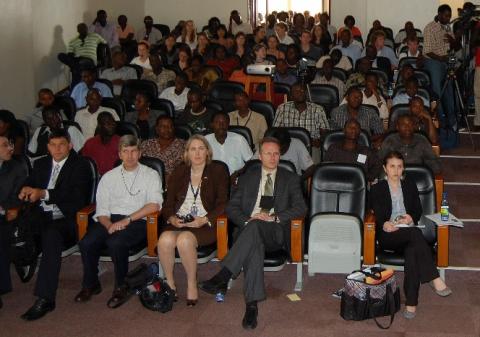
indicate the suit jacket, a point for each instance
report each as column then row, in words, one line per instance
column 213, row 191
column 381, row 202
column 12, row 176
column 288, row 198
column 72, row 189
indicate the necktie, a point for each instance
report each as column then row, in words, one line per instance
column 268, row 189
column 54, row 177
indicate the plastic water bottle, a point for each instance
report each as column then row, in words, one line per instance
column 390, row 90
column 444, row 210
column 220, row 297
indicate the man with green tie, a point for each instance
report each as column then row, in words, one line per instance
column 266, row 199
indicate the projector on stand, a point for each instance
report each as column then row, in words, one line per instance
column 260, row 69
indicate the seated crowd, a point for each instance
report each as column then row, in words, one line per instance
column 206, row 146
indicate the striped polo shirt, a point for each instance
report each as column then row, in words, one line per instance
column 86, row 48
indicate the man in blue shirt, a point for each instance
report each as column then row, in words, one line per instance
column 88, row 82
column 347, row 47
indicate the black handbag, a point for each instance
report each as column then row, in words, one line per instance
column 361, row 301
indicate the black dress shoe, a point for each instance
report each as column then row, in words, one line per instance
column 120, row 295
column 249, row 321
column 214, row 286
column 86, row 293
column 39, row 309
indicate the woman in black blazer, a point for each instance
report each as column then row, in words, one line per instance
column 395, row 202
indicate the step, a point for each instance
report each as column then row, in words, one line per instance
column 464, row 201
column 465, row 146
column 460, row 169
column 464, row 248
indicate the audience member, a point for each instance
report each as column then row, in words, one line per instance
column 241, row 50
column 52, row 119
column 144, row 117
column 349, row 22
column 105, row 29
column 143, row 58
column 357, row 78
column 178, row 93
column 379, row 62
column 184, row 57
column 243, row 116
column 203, row 76
column 325, row 22
column 12, row 174
column 125, row 196
column 119, row 73
column 237, row 25
column 87, row 117
column 126, row 37
column 300, row 113
column 396, row 201
column 423, row 120
column 9, row 128
column 259, row 36
column 281, row 30
column 149, row 33
column 298, row 25
column 321, row 39
column 270, row 25
column 328, row 78
column 259, row 54
column 262, row 226
column 165, row 146
column 169, row 51
column 220, row 59
column 407, row 31
column 415, row 148
column 378, row 27
column 197, row 189
column 413, row 49
column 45, row 99
column 346, row 46
column 307, row 49
column 57, row 189
column 369, row 120
column 272, row 47
column 211, row 29
column 411, row 91
column 292, row 56
column 220, row 35
column 378, row 41
column 189, row 35
column 203, row 46
column 161, row 76
column 228, row 147
column 373, row 96
column 103, row 148
column 196, row 115
column 89, row 81
column 339, row 61
column 350, row 151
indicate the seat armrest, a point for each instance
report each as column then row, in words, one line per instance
column 82, row 220
column 222, row 236
column 296, row 240
column 438, row 190
column 442, row 246
column 152, row 233
column 12, row 213
column 369, row 239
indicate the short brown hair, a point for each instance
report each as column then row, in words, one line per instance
column 265, row 140
column 201, row 138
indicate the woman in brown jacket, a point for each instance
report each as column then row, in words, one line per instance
column 197, row 194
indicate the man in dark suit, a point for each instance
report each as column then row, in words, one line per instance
column 262, row 206
column 57, row 188
column 12, row 176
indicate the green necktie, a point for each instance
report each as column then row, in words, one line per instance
column 268, row 190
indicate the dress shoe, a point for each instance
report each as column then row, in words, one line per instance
column 409, row 314
column 249, row 321
column 39, row 309
column 214, row 286
column 442, row 293
column 191, row 303
column 120, row 295
column 86, row 293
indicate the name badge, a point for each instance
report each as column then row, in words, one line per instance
column 362, row 158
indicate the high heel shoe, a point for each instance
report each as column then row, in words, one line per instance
column 191, row 303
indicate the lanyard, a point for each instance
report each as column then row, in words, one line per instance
column 195, row 193
column 248, row 119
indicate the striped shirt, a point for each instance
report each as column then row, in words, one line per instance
column 313, row 118
column 434, row 39
column 87, row 47
column 368, row 119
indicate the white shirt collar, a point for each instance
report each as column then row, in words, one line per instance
column 61, row 163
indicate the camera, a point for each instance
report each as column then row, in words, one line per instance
column 186, row 218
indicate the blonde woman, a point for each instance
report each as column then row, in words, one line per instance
column 189, row 35
column 197, row 194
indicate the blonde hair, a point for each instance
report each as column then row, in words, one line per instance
column 201, row 138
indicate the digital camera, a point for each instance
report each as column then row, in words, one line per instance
column 186, row 218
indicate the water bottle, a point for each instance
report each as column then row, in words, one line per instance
column 220, row 297
column 390, row 90
column 444, row 211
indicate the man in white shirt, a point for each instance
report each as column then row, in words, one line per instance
column 87, row 117
column 53, row 122
column 178, row 93
column 125, row 196
column 237, row 25
column 348, row 48
column 229, row 147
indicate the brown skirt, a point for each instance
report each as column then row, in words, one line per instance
column 205, row 235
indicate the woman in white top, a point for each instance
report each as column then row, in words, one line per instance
column 189, row 35
column 197, row 195
column 143, row 58
column 281, row 30
column 259, row 54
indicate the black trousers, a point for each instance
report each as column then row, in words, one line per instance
column 5, row 280
column 118, row 245
column 419, row 263
column 54, row 237
column 248, row 252
column 76, row 65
